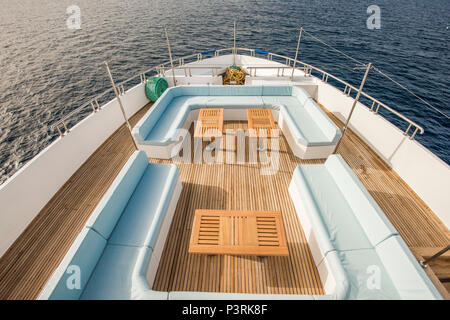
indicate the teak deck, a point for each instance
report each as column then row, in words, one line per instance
column 30, row 261
column 237, row 232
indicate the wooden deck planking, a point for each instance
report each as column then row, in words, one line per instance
column 26, row 266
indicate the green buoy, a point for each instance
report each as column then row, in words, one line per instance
column 155, row 87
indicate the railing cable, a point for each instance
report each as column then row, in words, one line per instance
column 411, row 92
column 380, row 72
column 333, row 48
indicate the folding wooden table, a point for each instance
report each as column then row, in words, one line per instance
column 209, row 123
column 260, row 120
column 258, row 233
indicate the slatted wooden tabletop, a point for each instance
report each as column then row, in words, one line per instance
column 260, row 122
column 209, row 123
column 259, row 233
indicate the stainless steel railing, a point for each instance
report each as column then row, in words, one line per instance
column 62, row 125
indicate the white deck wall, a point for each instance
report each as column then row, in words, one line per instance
column 24, row 194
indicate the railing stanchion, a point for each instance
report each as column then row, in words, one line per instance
column 414, row 134
column 296, row 53
column 378, row 107
column 407, row 130
column 170, row 57
column 59, row 131
column 234, row 43
column 120, row 104
column 66, row 130
column 354, row 105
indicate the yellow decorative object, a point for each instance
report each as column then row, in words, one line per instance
column 234, row 75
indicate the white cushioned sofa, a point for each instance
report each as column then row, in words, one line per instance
column 118, row 251
column 343, row 222
column 308, row 130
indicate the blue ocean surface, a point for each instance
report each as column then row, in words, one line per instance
column 47, row 70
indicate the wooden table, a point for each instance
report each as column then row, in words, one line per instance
column 209, row 123
column 258, row 120
column 258, row 233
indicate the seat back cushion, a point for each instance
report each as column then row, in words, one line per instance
column 235, row 90
column 329, row 129
column 230, row 102
column 303, row 189
column 294, row 128
column 146, row 124
column 143, row 216
column 197, row 90
column 370, row 216
column 334, row 210
column 301, row 94
column 304, row 127
column 170, row 121
column 108, row 211
column 72, row 275
column 276, row 90
column 113, row 275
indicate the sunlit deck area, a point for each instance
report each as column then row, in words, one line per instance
column 28, row 264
